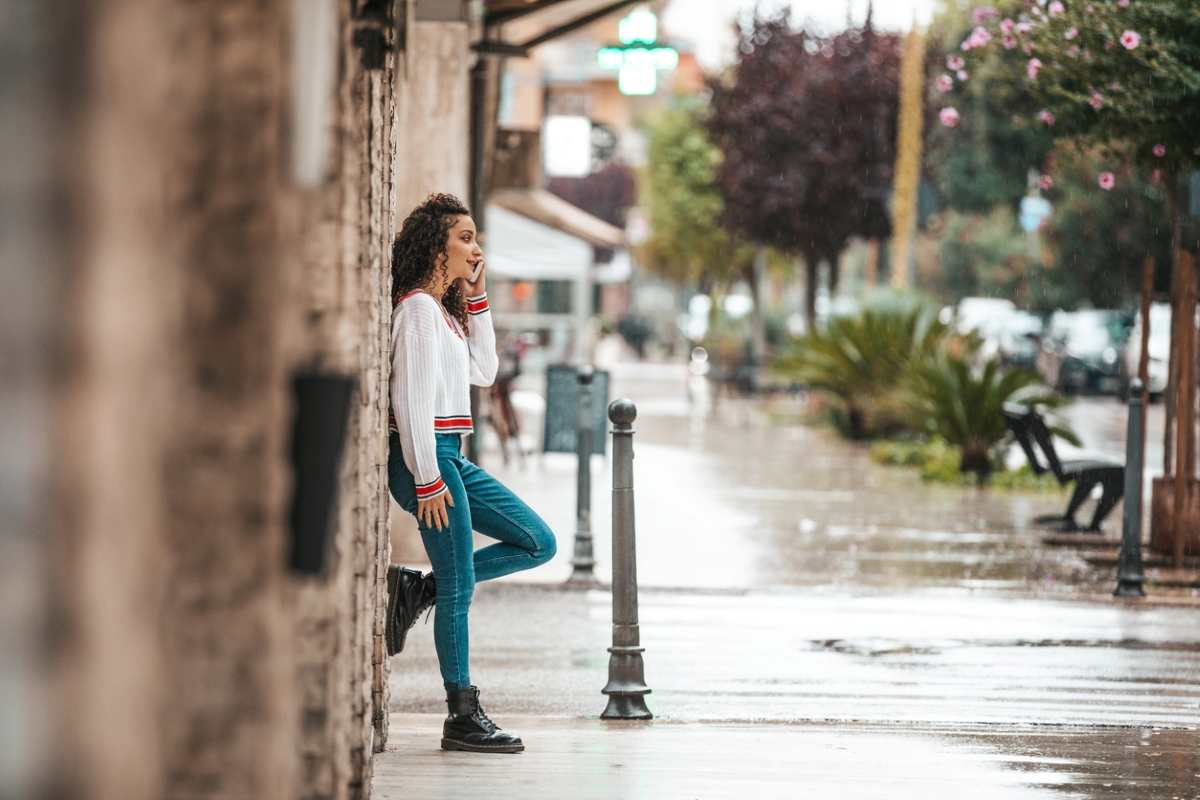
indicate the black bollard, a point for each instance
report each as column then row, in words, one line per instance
column 626, row 687
column 583, row 559
column 1129, row 568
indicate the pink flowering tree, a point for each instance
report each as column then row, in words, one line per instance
column 1104, row 72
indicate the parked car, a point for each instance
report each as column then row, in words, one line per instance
column 1159, row 348
column 980, row 314
column 1081, row 351
column 1017, row 339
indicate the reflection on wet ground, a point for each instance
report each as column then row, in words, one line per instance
column 817, row 622
column 586, row 758
column 767, row 501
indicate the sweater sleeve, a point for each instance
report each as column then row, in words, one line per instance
column 415, row 359
column 481, row 342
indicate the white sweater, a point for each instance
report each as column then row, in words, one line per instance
column 433, row 368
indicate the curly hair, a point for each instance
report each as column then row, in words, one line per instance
column 420, row 244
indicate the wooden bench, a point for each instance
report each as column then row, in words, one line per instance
column 1031, row 432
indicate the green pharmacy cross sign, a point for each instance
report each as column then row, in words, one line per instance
column 637, row 61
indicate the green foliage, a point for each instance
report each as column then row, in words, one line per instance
column 945, row 398
column 984, row 255
column 940, row 462
column 860, row 361
column 1100, row 239
column 1107, row 70
column 1024, row 479
column 984, row 160
column 686, row 243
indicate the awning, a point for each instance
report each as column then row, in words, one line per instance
column 554, row 212
column 520, row 248
column 515, row 26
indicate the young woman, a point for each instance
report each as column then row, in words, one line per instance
column 442, row 343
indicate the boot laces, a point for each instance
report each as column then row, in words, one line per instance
column 482, row 718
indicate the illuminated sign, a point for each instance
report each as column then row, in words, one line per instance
column 640, row 26
column 637, row 63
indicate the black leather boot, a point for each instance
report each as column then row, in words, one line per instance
column 468, row 728
column 410, row 594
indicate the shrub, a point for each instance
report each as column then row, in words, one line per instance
column 859, row 362
column 944, row 398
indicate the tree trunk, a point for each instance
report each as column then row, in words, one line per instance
column 757, row 278
column 810, row 292
column 1169, row 397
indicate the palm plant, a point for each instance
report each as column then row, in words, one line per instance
column 944, row 397
column 860, row 361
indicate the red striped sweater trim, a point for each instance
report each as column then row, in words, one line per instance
column 440, row 424
column 477, row 305
column 430, row 490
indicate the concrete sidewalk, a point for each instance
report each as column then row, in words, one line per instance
column 789, row 693
column 586, row 759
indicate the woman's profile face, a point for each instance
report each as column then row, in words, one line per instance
column 462, row 251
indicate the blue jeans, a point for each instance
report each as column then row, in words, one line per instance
column 481, row 503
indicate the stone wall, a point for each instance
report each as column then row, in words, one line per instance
column 168, row 279
column 166, row 275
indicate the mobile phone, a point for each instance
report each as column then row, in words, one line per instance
column 478, row 269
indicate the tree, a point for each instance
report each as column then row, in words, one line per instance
column 998, row 122
column 687, row 242
column 1100, row 240
column 807, row 127
column 1104, row 72
column 984, row 159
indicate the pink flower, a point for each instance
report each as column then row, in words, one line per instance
column 1156, row 176
column 1007, row 25
column 1024, row 27
column 1097, row 100
column 982, row 13
column 1073, row 51
column 1032, row 70
column 978, row 38
column 1046, row 116
column 1028, row 48
column 1008, row 42
column 963, row 75
column 1130, row 39
column 1109, row 44
column 1055, row 8
column 1160, row 150
column 944, row 83
column 1107, row 181
column 955, row 62
column 1090, row 8
column 949, row 117
column 1122, row 3
column 1045, row 182
column 1072, row 32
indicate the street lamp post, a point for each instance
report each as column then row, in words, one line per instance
column 1129, row 567
column 582, row 559
column 626, row 687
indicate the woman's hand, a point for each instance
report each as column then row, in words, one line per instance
column 476, row 287
column 433, row 511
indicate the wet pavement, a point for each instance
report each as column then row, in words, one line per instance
column 815, row 622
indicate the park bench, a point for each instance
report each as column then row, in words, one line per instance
column 1031, row 432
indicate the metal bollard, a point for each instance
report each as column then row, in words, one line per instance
column 1129, row 567
column 585, row 441
column 626, row 687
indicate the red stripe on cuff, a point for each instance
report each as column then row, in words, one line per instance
column 477, row 305
column 452, row 422
column 432, row 490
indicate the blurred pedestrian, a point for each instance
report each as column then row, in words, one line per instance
column 442, row 343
